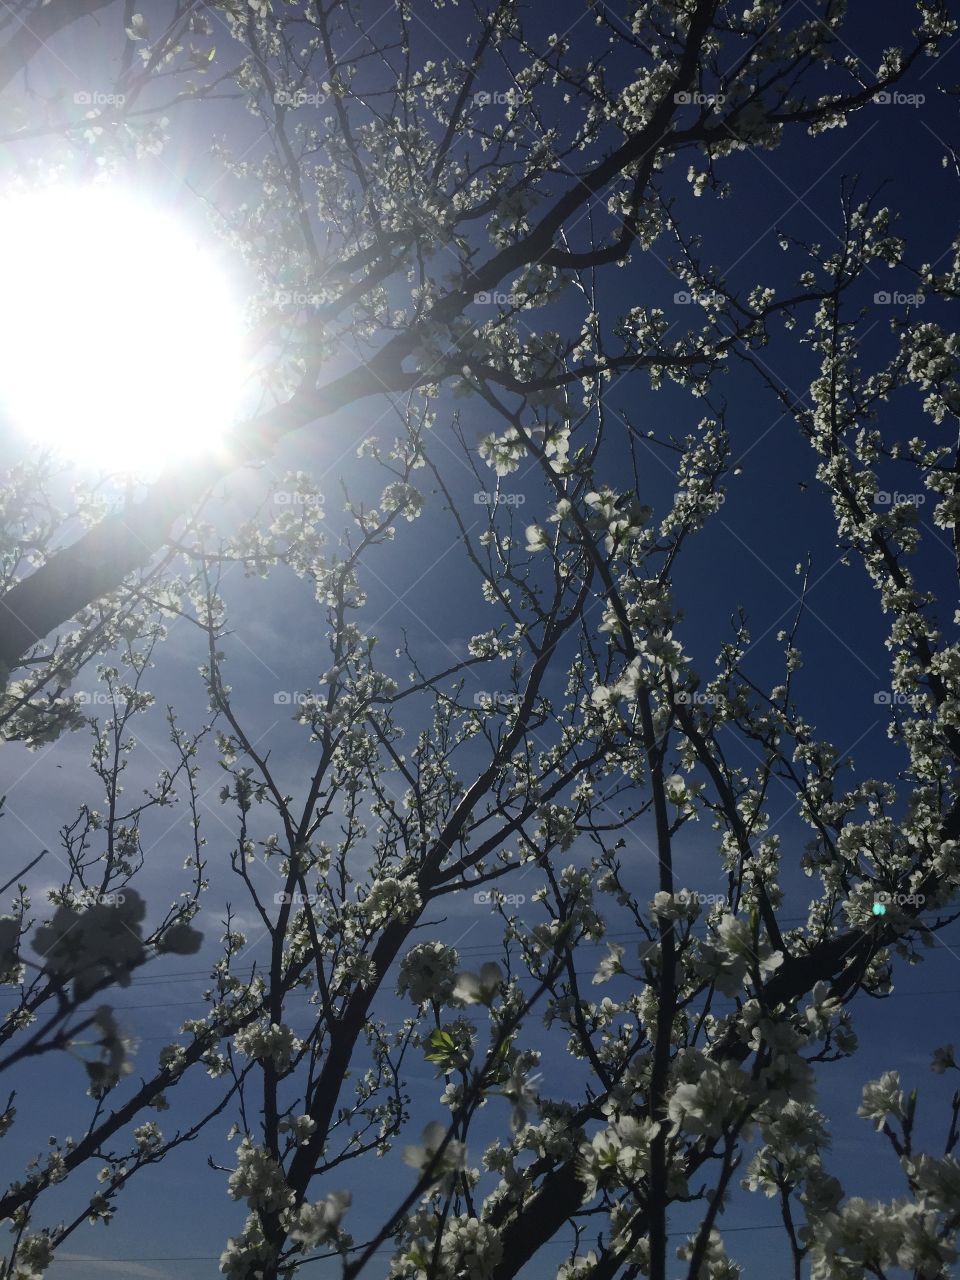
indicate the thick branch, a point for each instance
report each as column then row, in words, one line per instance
column 38, row 29
column 125, row 541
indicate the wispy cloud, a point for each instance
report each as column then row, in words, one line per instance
column 99, row 1266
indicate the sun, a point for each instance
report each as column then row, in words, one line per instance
column 121, row 336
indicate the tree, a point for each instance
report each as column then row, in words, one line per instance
column 391, row 197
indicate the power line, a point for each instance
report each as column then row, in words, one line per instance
column 473, row 949
column 215, row 1257
column 522, row 977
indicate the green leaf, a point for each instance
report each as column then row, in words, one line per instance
column 443, row 1048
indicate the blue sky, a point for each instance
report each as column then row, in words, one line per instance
column 173, row 1221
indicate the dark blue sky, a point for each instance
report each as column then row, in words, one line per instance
column 747, row 557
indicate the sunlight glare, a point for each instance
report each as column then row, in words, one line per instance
column 120, row 336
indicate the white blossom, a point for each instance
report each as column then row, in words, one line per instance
column 610, row 964
column 269, row 1040
column 428, row 972
column 473, row 988
column 92, row 946
column 313, row 1224
column 421, row 1156
column 34, row 1256
column 470, row 1248
column 258, row 1179
column 881, row 1098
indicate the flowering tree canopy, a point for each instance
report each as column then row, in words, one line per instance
column 449, row 259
